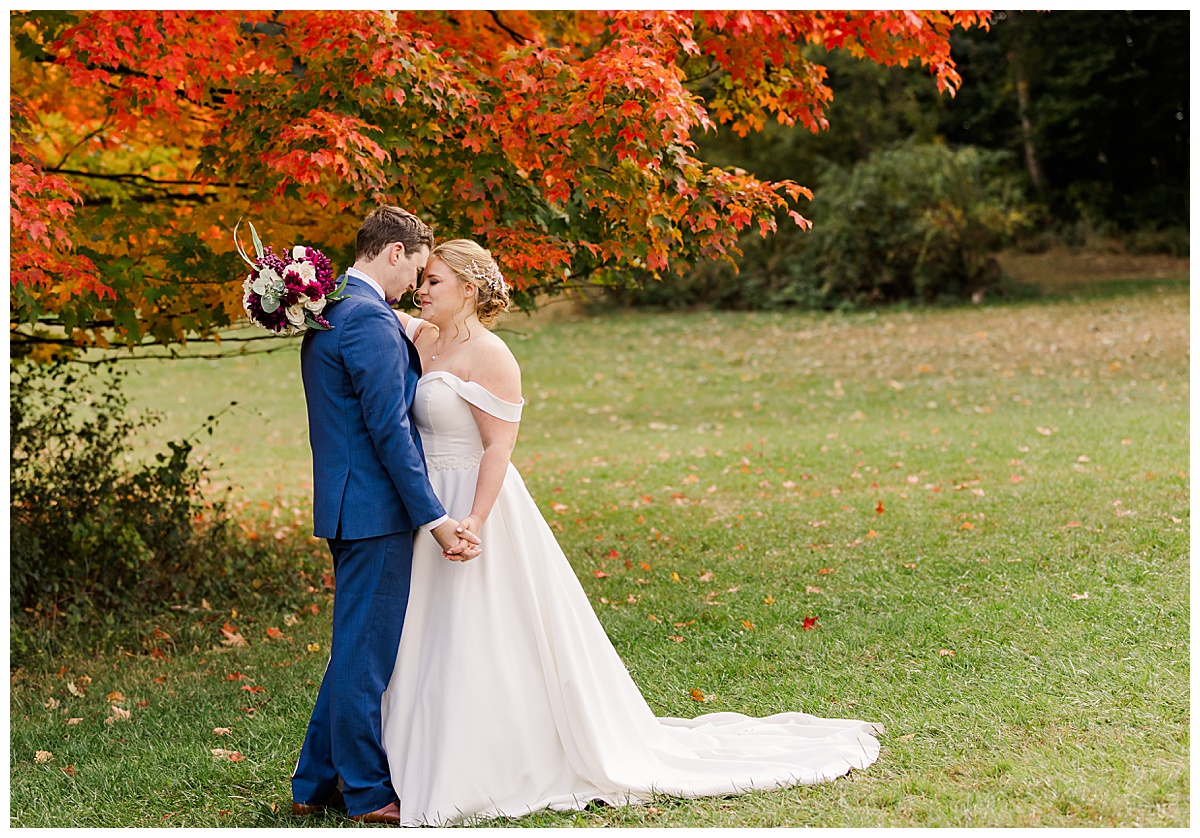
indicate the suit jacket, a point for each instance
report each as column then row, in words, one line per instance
column 369, row 476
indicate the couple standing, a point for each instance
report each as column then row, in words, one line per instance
column 502, row 695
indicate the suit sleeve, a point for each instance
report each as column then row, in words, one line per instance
column 376, row 357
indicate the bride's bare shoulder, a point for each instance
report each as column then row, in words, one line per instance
column 494, row 366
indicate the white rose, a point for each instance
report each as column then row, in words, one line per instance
column 299, row 252
column 304, row 270
column 295, row 314
column 315, row 306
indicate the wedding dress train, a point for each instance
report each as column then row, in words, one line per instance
column 507, row 695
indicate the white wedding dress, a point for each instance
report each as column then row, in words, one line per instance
column 508, row 697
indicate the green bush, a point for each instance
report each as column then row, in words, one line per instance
column 99, row 540
column 915, row 223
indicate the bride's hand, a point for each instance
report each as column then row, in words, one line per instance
column 470, row 524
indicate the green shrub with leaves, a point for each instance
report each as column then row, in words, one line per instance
column 915, row 223
column 99, row 540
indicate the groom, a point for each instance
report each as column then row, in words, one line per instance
column 371, row 492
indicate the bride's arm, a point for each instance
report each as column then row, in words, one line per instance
column 423, row 326
column 498, row 373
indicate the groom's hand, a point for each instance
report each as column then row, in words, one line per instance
column 458, row 544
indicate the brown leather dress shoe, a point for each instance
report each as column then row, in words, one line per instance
column 335, row 801
column 389, row 814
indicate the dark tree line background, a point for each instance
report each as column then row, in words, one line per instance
column 1081, row 125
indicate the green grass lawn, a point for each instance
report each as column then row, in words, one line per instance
column 985, row 509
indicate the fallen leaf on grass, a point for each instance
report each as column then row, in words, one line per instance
column 746, row 624
column 824, row 571
column 255, row 689
column 706, row 575
column 42, row 757
column 879, row 507
column 674, row 576
column 231, row 636
column 946, row 653
column 811, row 589
column 809, row 623
column 222, row 754
column 69, row 770
column 314, row 647
column 697, row 695
column 1071, row 525
column 274, row 633
column 74, row 721
column 74, row 690
column 768, row 600
column 119, row 714
column 908, row 737
column 599, row 574
column 222, row 731
column 51, row 703
column 1083, row 595
column 677, row 638
column 235, row 676
column 559, row 507
column 967, row 526
column 116, row 696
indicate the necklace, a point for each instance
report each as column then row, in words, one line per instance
column 442, row 351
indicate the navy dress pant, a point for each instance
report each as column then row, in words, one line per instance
column 372, row 577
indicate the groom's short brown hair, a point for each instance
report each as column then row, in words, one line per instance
column 386, row 225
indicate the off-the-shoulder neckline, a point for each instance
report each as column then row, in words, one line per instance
column 446, row 373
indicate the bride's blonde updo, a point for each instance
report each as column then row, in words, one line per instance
column 472, row 263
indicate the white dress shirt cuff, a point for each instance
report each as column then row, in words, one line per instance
column 434, row 524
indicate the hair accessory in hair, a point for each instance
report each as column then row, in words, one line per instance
column 490, row 275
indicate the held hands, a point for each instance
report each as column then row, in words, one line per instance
column 458, row 543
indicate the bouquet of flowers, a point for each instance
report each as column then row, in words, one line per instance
column 287, row 296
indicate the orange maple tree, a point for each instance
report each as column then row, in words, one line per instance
column 560, row 140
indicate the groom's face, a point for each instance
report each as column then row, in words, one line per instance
column 406, row 270
column 414, row 264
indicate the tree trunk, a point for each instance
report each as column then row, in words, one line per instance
column 1016, row 60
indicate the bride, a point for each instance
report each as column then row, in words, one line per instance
column 507, row 696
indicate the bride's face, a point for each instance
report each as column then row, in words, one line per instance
column 442, row 295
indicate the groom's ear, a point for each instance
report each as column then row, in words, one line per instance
column 396, row 252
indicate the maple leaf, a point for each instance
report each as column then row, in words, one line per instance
column 678, row 638
column 599, row 574
column 746, row 624
column 116, row 696
column 879, row 508
column 254, row 689
column 613, row 554
column 231, row 637
column 69, row 770
column 51, row 703
column 118, row 714
column 706, row 575
column 220, row 754
column 809, row 623
column 274, row 633
column 698, row 695
column 235, row 676
column 768, row 600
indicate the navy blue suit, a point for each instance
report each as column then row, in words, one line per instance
column 370, row 492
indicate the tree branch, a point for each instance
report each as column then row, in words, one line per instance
column 496, row 17
column 130, row 178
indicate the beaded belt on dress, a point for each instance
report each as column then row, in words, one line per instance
column 441, row 462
